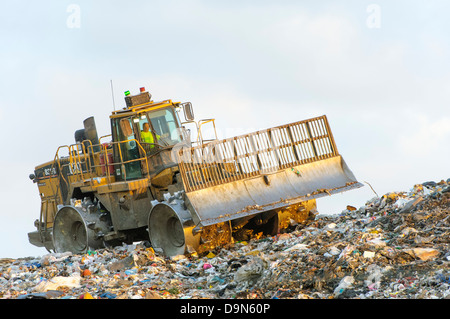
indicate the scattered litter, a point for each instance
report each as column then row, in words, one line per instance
column 395, row 246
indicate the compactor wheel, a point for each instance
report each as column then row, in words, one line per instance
column 170, row 229
column 77, row 230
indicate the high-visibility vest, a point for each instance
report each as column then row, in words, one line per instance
column 147, row 137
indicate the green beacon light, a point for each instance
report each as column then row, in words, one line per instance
column 127, row 93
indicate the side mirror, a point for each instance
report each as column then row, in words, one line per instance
column 188, row 111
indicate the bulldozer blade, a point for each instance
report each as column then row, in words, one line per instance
column 262, row 171
column 252, row 196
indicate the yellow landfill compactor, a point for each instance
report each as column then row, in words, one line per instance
column 152, row 183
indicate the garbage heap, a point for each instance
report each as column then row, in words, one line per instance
column 395, row 246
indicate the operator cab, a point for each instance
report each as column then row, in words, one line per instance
column 144, row 134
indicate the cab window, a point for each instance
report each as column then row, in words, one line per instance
column 140, row 121
column 165, row 124
column 129, row 151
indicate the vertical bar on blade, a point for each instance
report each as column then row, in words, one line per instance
column 276, row 136
column 321, row 134
column 297, row 132
column 182, row 171
column 290, row 150
column 199, row 167
column 244, row 164
column 318, row 144
column 330, row 135
column 308, row 130
column 306, row 143
column 288, row 147
column 236, row 159
column 211, row 165
column 221, row 149
column 325, row 140
column 189, row 170
column 305, row 147
column 255, row 151
column 275, row 149
column 206, row 171
column 289, row 134
column 231, row 161
column 252, row 152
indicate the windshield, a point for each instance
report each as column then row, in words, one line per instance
column 166, row 125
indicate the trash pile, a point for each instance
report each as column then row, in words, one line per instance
column 395, row 246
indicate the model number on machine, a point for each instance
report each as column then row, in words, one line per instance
column 49, row 171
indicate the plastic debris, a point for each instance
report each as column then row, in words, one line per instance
column 58, row 282
column 395, row 246
column 345, row 283
column 86, row 296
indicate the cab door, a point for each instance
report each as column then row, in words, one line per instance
column 126, row 153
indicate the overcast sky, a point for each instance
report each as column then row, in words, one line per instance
column 378, row 69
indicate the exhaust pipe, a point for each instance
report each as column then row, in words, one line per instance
column 90, row 131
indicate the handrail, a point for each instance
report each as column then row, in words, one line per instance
column 200, row 139
column 104, row 136
column 82, row 166
column 122, row 163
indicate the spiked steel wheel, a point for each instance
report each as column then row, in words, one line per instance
column 77, row 229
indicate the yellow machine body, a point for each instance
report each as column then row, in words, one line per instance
column 182, row 196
